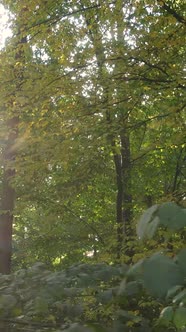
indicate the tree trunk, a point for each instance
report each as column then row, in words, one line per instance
column 126, row 178
column 119, row 203
column 7, row 199
column 9, row 155
column 121, row 159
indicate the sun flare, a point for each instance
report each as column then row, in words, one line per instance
column 5, row 30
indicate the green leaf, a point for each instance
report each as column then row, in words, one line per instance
column 179, row 318
column 181, row 260
column 148, row 223
column 106, row 296
column 7, row 301
column 78, row 328
column 97, row 327
column 171, row 216
column 128, row 316
column 132, row 288
column 41, row 305
column 161, row 274
column 173, row 291
column 136, row 271
column 166, row 316
column 180, row 297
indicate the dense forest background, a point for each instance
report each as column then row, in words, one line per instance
column 92, row 133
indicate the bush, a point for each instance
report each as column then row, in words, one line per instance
column 148, row 296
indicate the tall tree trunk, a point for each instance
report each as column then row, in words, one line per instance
column 122, row 159
column 7, row 198
column 127, row 195
column 9, row 155
column 119, row 203
column 124, row 136
column 126, row 177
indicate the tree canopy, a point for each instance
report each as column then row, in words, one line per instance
column 92, row 112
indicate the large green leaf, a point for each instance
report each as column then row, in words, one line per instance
column 173, row 291
column 166, row 316
column 181, row 260
column 132, row 288
column 171, row 216
column 78, row 328
column 180, row 297
column 180, row 318
column 136, row 270
column 161, row 274
column 148, row 223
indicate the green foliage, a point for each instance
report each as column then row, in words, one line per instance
column 172, row 216
column 179, row 318
column 148, row 223
column 114, row 91
column 166, row 317
column 161, row 274
column 98, row 91
column 99, row 297
column 57, row 299
column 181, row 259
column 168, row 215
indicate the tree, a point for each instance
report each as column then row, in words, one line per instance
column 11, row 112
column 98, row 120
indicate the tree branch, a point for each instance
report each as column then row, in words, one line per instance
column 86, row 223
column 172, row 12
